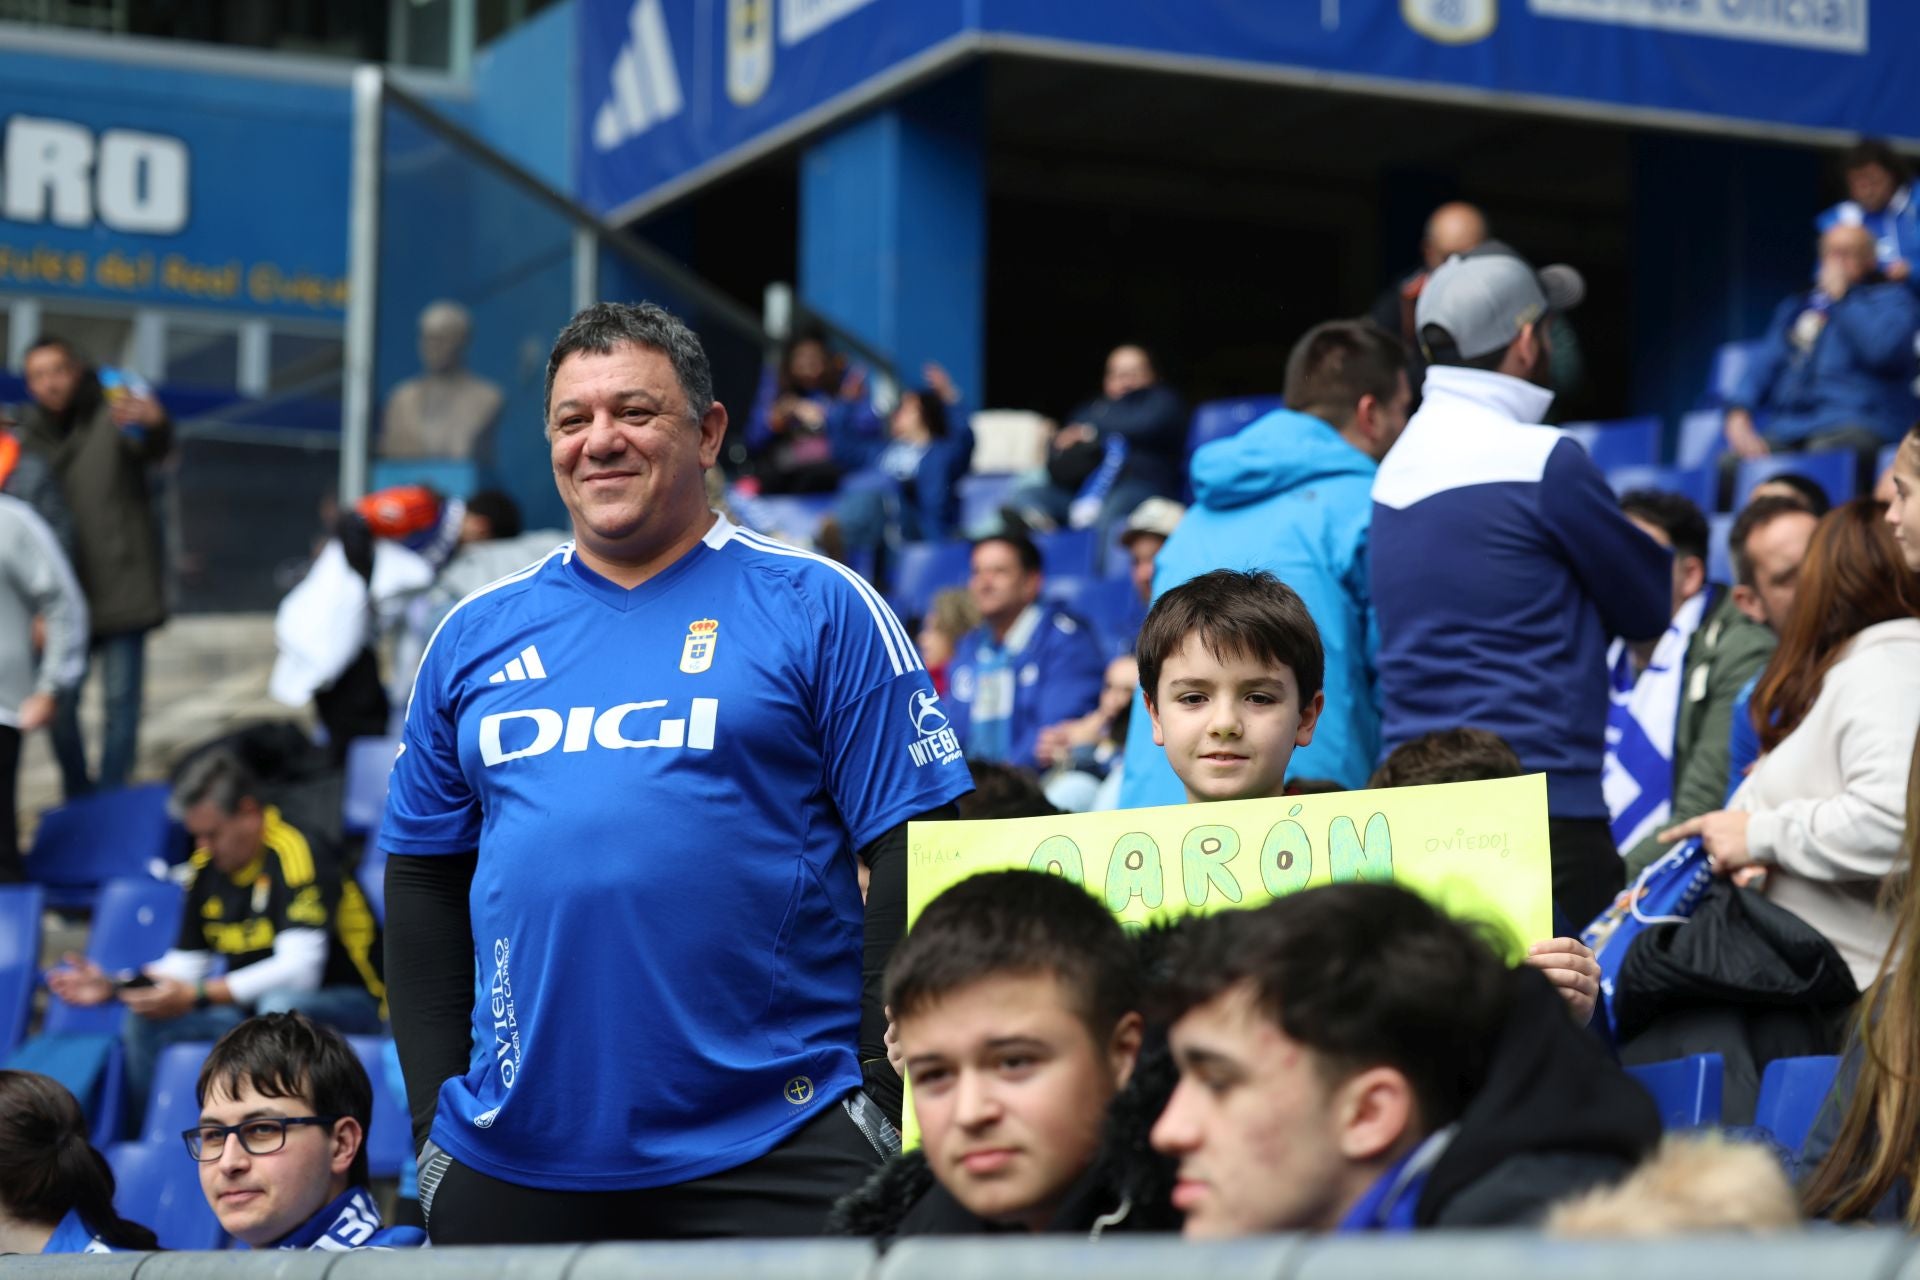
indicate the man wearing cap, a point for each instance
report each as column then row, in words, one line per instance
column 1501, row 563
column 1290, row 494
column 1148, row 529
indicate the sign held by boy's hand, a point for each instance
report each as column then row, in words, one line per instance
column 1477, row 849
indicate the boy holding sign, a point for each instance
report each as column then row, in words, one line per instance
column 1015, row 1001
column 1230, row 668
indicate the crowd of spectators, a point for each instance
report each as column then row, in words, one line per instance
column 1403, row 577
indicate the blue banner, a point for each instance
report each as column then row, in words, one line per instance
column 160, row 186
column 667, row 85
column 667, row 88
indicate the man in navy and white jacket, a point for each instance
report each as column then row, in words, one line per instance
column 1501, row 563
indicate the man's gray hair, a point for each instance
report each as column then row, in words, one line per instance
column 604, row 326
column 216, row 777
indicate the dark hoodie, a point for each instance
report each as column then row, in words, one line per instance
column 1555, row 1116
column 1128, row 1187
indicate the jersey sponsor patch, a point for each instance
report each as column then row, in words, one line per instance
column 934, row 741
column 697, row 655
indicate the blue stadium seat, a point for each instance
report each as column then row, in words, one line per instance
column 1696, row 483
column 1687, row 1090
column 172, row 1105
column 1620, row 442
column 20, row 907
column 84, row 843
column 981, row 498
column 390, row 1137
column 364, row 793
column 1835, row 470
column 1702, row 438
column 922, row 570
column 1218, row 419
column 134, row 923
column 1111, row 605
column 91, row 1067
column 1069, row 552
column 1730, row 363
column 1791, row 1093
column 1719, row 555
column 157, row 1185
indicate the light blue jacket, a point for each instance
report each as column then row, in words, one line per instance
column 1288, row 495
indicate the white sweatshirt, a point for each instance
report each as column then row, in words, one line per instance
column 1829, row 803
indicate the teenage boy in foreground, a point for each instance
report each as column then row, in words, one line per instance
column 284, row 1109
column 1351, row 1059
column 1016, row 1003
column 1230, row 668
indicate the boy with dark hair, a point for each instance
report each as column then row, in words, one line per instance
column 1353, row 1060
column 1230, row 664
column 1448, row 755
column 284, row 1111
column 1016, row 1006
column 1230, row 667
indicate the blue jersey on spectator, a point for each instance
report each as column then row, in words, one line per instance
column 1050, row 669
column 666, row 786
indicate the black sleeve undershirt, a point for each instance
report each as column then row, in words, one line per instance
column 429, row 973
column 886, row 858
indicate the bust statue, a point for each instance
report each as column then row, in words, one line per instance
column 445, row 411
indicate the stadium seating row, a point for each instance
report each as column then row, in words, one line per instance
column 1688, row 1091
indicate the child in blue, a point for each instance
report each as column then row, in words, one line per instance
column 56, row 1191
column 282, row 1141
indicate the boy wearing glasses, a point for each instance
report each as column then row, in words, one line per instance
column 284, row 1109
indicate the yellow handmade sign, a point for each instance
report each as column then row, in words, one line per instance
column 1477, row 849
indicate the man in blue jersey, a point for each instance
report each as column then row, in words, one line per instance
column 1501, row 562
column 1029, row 664
column 637, row 988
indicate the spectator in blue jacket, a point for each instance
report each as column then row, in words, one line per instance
column 1880, row 197
column 910, row 489
column 1029, row 664
column 1114, row 452
column 1291, row 494
column 1836, row 367
column 1502, row 565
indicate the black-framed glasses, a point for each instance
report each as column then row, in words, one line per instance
column 262, row 1137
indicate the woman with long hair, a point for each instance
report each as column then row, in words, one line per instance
column 1836, row 711
column 56, row 1191
column 1865, row 1148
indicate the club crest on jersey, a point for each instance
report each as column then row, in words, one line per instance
column 697, row 656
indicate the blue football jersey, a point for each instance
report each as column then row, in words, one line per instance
column 666, row 787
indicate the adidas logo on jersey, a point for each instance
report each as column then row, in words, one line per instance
column 644, row 86
column 525, row 667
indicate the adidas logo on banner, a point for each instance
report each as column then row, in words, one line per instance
column 525, row 667
column 645, row 88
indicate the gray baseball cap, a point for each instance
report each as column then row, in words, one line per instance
column 1484, row 298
